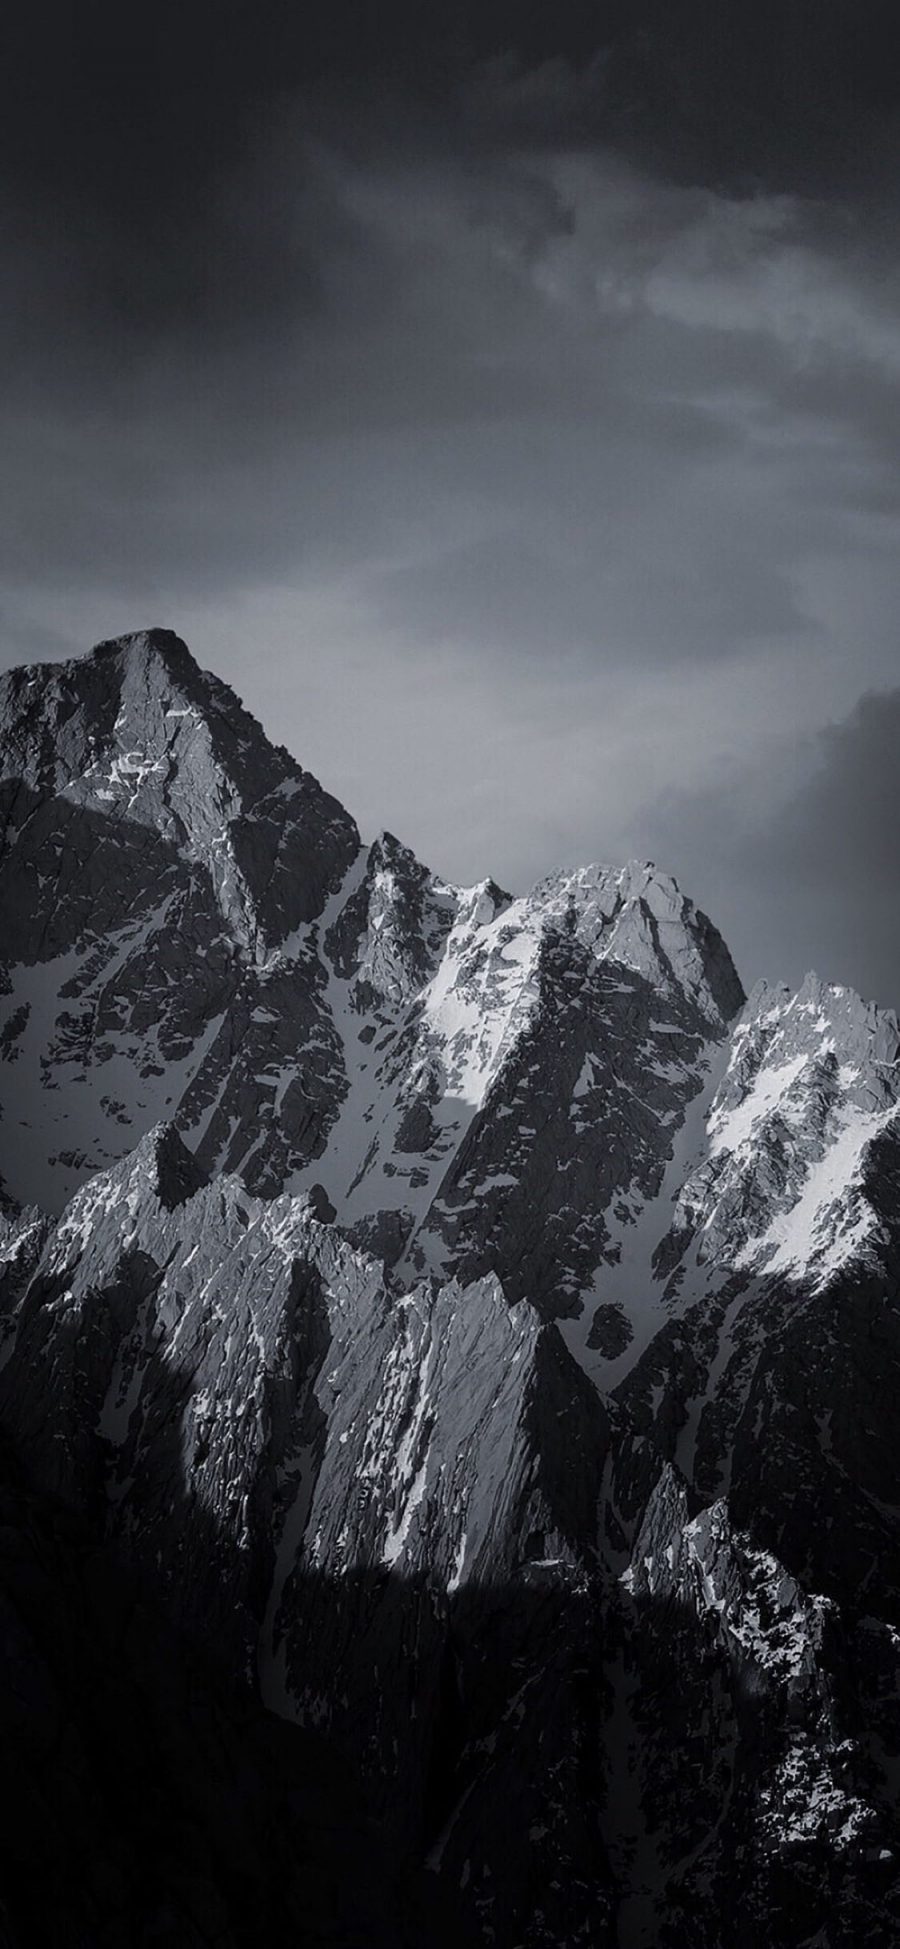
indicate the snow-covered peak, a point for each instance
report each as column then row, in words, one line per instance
column 808, row 1057
column 637, row 915
column 137, row 734
column 820, row 1017
column 813, row 1081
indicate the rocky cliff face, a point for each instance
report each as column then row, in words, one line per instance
column 466, row 1315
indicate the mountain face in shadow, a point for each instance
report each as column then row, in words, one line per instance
column 448, row 1366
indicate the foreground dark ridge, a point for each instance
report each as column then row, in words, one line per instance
column 470, row 1318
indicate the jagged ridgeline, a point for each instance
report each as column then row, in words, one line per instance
column 464, row 1333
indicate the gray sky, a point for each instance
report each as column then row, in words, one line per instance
column 512, row 418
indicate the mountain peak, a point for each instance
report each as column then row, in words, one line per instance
column 825, row 1013
column 165, row 644
column 637, row 914
column 136, row 733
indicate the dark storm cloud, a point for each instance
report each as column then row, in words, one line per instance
column 130, row 136
column 506, row 401
column 537, row 342
column 775, row 97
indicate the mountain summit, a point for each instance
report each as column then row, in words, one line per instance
column 136, row 733
column 473, row 1319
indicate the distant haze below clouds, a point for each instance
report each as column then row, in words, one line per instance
column 507, row 405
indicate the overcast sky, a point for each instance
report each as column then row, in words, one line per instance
column 504, row 402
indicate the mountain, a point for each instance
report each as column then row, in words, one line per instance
column 472, row 1324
